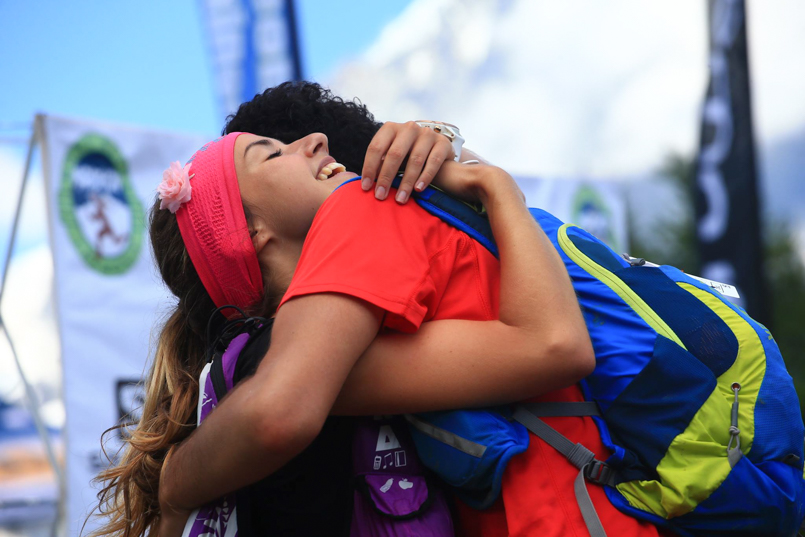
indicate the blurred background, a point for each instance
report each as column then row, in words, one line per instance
column 684, row 120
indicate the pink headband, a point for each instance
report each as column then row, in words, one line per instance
column 213, row 224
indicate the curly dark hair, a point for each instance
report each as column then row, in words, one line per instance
column 293, row 110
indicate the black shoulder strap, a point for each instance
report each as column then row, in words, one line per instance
column 259, row 331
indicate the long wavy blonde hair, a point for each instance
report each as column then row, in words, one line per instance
column 129, row 497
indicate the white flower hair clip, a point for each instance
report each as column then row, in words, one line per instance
column 175, row 187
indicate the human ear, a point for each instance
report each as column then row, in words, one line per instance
column 260, row 234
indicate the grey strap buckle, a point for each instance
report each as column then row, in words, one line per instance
column 599, row 472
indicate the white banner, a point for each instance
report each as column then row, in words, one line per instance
column 597, row 206
column 101, row 180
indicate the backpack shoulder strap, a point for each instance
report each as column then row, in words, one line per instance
column 578, row 455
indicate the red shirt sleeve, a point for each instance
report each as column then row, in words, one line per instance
column 380, row 252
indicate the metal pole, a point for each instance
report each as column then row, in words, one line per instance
column 30, row 395
column 13, row 239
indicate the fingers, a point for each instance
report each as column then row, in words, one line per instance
column 376, row 151
column 403, row 142
column 426, row 151
column 426, row 159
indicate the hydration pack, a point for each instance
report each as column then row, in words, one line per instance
column 393, row 495
column 689, row 394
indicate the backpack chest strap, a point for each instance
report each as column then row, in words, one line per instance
column 528, row 414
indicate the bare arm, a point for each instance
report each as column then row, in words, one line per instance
column 468, row 154
column 275, row 414
column 539, row 344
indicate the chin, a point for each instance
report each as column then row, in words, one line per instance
column 341, row 177
column 333, row 182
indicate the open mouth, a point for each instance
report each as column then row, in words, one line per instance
column 330, row 170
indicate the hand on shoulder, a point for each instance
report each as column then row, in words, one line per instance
column 476, row 182
column 424, row 149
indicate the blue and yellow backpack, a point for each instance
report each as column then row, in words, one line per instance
column 689, row 393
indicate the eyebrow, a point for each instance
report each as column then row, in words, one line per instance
column 256, row 142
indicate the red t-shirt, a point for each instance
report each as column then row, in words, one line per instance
column 418, row 269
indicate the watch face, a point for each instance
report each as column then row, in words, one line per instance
column 445, row 132
column 446, row 129
column 434, row 124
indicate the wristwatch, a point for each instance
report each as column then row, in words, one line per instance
column 446, row 129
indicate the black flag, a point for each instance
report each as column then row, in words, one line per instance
column 727, row 206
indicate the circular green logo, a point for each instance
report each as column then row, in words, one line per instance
column 98, row 206
column 590, row 212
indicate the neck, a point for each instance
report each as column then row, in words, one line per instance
column 281, row 256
